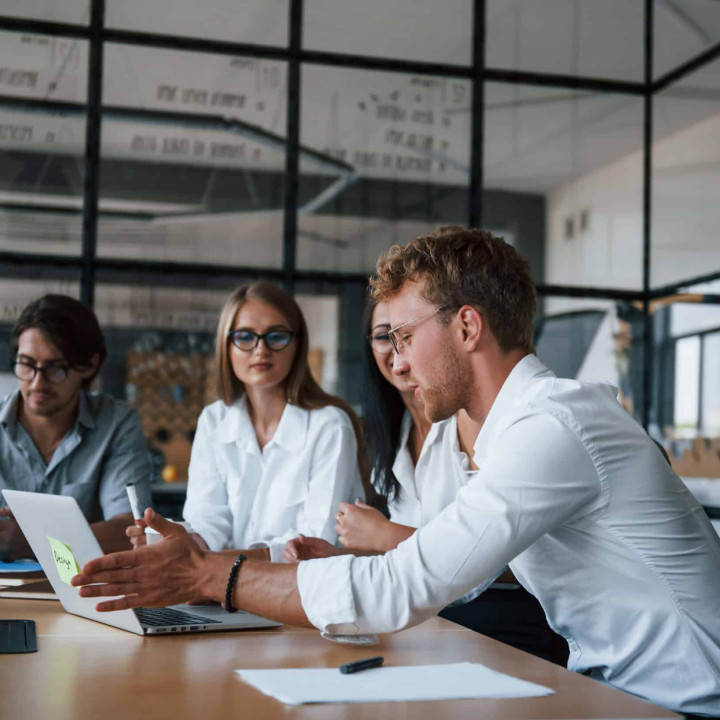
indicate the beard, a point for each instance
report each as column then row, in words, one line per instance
column 445, row 395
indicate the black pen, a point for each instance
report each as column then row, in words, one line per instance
column 359, row 665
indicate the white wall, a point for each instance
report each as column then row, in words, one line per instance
column 685, row 217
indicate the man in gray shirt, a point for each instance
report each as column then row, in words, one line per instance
column 56, row 437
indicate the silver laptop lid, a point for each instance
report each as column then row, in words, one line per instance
column 41, row 517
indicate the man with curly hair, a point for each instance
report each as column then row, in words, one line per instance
column 570, row 492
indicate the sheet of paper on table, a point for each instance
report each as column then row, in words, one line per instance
column 297, row 686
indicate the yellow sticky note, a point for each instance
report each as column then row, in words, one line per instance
column 67, row 566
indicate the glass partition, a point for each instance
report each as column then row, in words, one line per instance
column 262, row 22
column 400, row 146
column 42, row 148
column 567, row 37
column 193, row 158
column 571, row 163
column 686, row 176
column 423, row 30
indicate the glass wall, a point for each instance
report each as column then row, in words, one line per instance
column 686, row 176
column 402, row 143
column 193, row 156
column 43, row 88
column 231, row 144
column 567, row 37
column 578, row 156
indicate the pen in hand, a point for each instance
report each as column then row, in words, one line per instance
column 134, row 503
column 359, row 665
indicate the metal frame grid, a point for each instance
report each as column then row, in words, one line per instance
column 91, row 268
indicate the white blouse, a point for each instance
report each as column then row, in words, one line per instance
column 240, row 496
column 432, row 484
column 428, row 487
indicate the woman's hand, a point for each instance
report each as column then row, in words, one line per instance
column 308, row 548
column 363, row 527
column 136, row 533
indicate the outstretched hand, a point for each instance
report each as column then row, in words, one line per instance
column 308, row 548
column 165, row 573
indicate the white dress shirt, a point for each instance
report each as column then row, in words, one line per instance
column 431, row 484
column 242, row 497
column 593, row 522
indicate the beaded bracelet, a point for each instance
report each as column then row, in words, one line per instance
column 231, row 583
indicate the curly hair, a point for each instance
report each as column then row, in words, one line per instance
column 460, row 266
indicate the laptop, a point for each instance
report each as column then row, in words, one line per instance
column 41, row 516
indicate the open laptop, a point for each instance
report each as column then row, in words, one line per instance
column 41, row 516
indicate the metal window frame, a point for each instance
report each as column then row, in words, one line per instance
column 90, row 267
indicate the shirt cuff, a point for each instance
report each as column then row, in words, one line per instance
column 276, row 550
column 325, row 588
column 214, row 539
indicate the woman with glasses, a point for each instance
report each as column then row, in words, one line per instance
column 418, row 468
column 409, row 456
column 276, row 454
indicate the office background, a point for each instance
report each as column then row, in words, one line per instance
column 155, row 154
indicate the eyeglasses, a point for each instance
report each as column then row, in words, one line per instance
column 26, row 372
column 399, row 343
column 380, row 342
column 247, row 340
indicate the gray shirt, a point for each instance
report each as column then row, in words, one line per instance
column 103, row 452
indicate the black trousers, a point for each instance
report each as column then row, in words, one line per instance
column 513, row 617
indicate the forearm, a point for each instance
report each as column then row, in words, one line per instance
column 110, row 534
column 393, row 535
column 262, row 553
column 262, row 588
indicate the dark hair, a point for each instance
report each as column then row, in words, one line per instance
column 462, row 266
column 301, row 388
column 383, row 413
column 69, row 325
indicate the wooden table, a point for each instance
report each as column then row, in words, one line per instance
column 85, row 669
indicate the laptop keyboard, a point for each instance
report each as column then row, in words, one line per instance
column 159, row 617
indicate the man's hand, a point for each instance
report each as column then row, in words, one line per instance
column 309, row 548
column 363, row 527
column 13, row 544
column 165, row 573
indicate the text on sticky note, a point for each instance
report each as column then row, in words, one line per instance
column 65, row 562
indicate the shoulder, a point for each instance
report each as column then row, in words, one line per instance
column 214, row 414
column 106, row 410
column 328, row 417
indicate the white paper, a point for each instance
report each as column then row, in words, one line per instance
column 399, row 683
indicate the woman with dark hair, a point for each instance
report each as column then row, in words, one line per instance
column 409, row 457
column 418, row 469
column 276, row 454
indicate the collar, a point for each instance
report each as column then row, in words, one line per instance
column 8, row 410
column 526, row 371
column 292, row 430
column 85, row 416
column 236, row 427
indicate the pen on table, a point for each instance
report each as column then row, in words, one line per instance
column 134, row 503
column 359, row 665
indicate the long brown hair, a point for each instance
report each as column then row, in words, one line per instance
column 300, row 388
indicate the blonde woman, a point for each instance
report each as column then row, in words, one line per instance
column 276, row 454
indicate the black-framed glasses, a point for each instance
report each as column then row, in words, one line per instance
column 380, row 342
column 399, row 343
column 274, row 340
column 26, row 371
